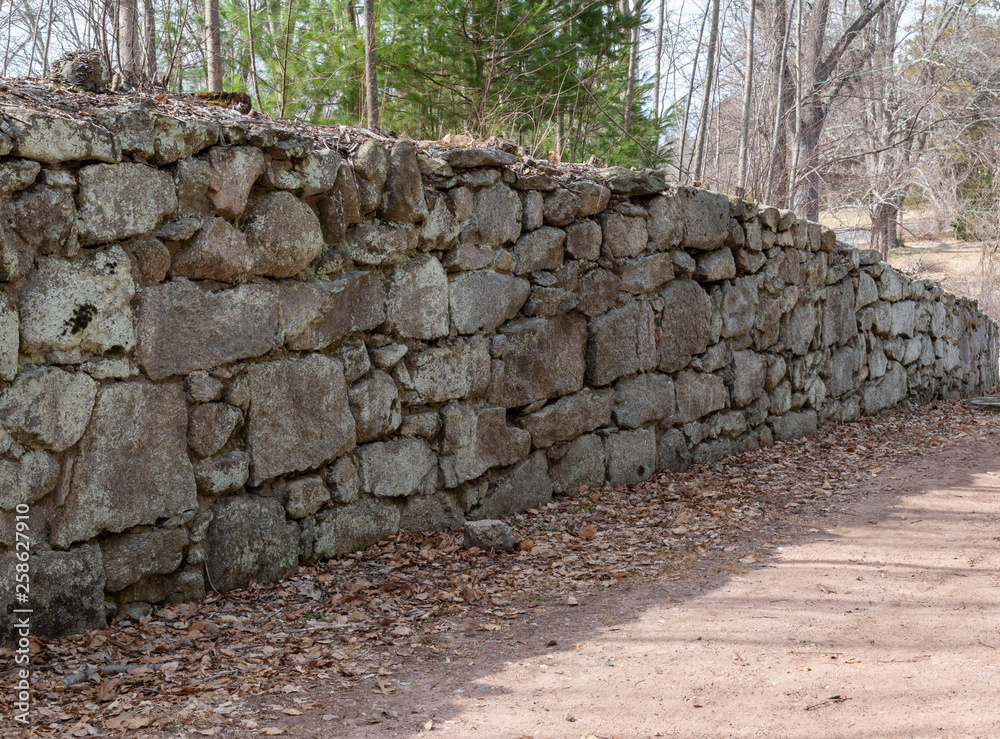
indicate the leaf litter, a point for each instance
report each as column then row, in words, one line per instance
column 328, row 641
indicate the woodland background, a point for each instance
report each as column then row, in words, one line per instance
column 866, row 108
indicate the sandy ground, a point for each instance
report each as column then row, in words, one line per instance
column 884, row 624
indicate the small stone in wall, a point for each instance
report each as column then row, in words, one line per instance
column 575, row 463
column 26, row 479
column 202, row 387
column 498, row 215
column 381, row 243
column 631, row 183
column 483, row 300
column 17, row 174
column 593, row 197
column 152, row 257
column 459, row 369
column 302, row 497
column 621, row 343
column 538, row 358
column 467, row 157
column 561, row 208
column 375, row 404
column 354, row 527
column 624, row 236
column 631, row 456
column 527, row 485
column 343, row 480
column 130, row 557
column 177, row 138
column 488, row 535
column 716, row 266
column 9, row 338
column 319, row 170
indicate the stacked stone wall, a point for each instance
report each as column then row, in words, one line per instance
column 225, row 352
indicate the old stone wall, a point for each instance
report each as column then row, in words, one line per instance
column 225, row 352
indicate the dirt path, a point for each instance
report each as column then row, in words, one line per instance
column 885, row 624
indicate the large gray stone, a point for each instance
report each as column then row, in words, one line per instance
column 222, row 475
column 41, row 221
column 569, row 417
column 130, row 557
column 10, row 338
column 397, row 469
column 67, row 594
column 631, row 456
column 404, row 192
column 319, row 170
column 715, row 266
column 371, row 167
column 303, row 496
column 706, row 218
column 210, row 426
column 48, row 408
column 250, row 539
column 839, row 322
column 375, row 405
column 561, row 208
column 672, row 451
column 17, row 174
column 526, row 486
column 136, row 443
column 799, row 327
column 381, row 244
column 431, row 513
column 739, row 307
column 795, row 425
column 354, row 527
column 630, row 183
column 482, row 301
column 886, row 391
column 839, row 374
column 460, row 369
column 109, row 206
column 183, row 328
column 440, row 229
column 418, row 299
column 299, row 416
column 685, row 324
column 217, row 252
column 470, row 156
column 180, row 138
column 44, row 136
column 624, row 236
column 26, row 479
column 73, row 309
column 475, row 441
column 540, row 249
column 593, row 197
column 698, row 395
column 234, row 169
column 904, row 318
column 488, row 534
column 498, row 215
column 749, row 374
column 576, row 463
column 583, row 240
column 621, row 343
column 644, row 398
column 665, row 227
column 283, row 234
column 317, row 313
column 646, row 274
column 537, row 358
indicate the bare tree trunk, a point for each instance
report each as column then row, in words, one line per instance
column 776, row 162
column 148, row 41
column 659, row 55
column 884, row 237
column 560, row 141
column 284, row 61
column 371, row 77
column 633, row 57
column 128, row 40
column 213, row 46
column 747, row 97
column 681, row 174
column 799, row 92
column 48, row 40
column 706, row 98
column 253, row 55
